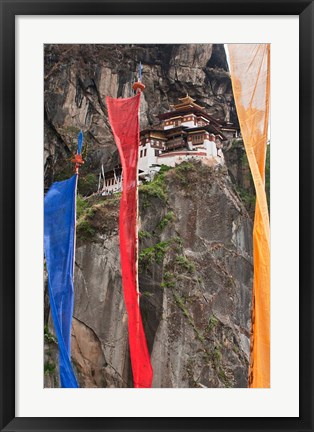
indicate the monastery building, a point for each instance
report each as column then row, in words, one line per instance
column 184, row 133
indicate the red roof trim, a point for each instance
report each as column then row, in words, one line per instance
column 185, row 153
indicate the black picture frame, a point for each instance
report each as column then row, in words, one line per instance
column 9, row 9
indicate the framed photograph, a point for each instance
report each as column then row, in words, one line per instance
column 64, row 66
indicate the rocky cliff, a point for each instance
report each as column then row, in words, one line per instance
column 79, row 77
column 195, row 266
column 195, row 277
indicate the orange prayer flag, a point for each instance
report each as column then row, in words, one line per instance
column 250, row 76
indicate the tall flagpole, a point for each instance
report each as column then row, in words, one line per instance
column 78, row 161
column 138, row 87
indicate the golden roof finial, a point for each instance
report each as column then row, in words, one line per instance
column 187, row 99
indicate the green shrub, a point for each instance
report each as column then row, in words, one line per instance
column 217, row 355
column 165, row 220
column 156, row 188
column 181, row 303
column 87, row 184
column 164, row 169
column 168, row 280
column 147, row 294
column 212, row 322
column 84, row 229
column 223, row 378
column 182, row 172
column 185, row 167
column 153, row 189
column 81, row 206
column 160, row 250
column 146, row 257
column 84, row 212
column 153, row 254
column 185, row 263
column 49, row 368
column 144, row 234
column 49, row 337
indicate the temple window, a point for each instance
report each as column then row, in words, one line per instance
column 197, row 138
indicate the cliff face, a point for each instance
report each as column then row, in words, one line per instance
column 79, row 77
column 195, row 264
column 195, row 277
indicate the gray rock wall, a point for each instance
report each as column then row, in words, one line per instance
column 195, row 278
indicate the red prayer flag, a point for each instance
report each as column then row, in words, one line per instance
column 124, row 121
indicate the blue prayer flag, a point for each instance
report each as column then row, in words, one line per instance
column 80, row 142
column 59, row 243
column 140, row 69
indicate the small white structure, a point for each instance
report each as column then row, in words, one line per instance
column 186, row 132
column 112, row 182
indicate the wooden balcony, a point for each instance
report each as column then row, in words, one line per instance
column 175, row 143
